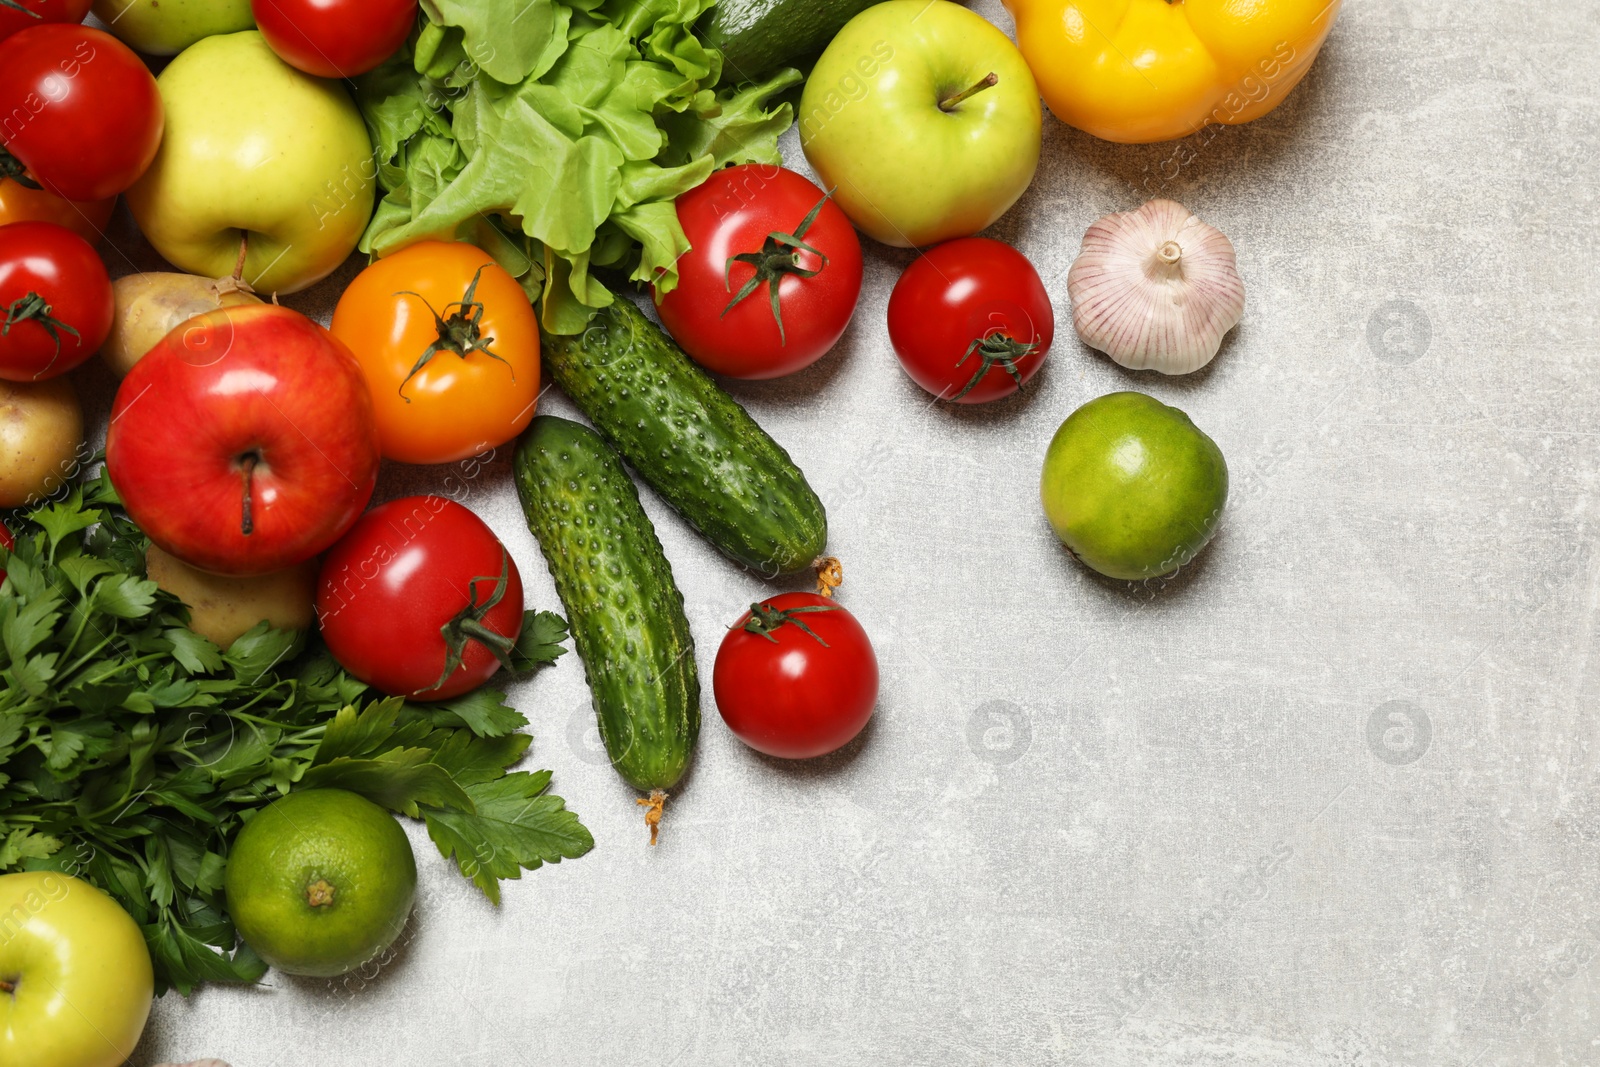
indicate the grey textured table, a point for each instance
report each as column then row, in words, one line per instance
column 1327, row 798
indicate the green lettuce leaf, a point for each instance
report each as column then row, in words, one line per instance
column 557, row 134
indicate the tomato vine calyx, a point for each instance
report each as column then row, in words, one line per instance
column 461, row 333
column 468, row 625
column 11, row 167
column 765, row 619
column 32, row 308
column 779, row 255
column 995, row 349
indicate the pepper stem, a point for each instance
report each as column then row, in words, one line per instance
column 988, row 81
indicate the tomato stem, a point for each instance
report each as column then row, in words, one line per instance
column 468, row 625
column 11, row 167
column 779, row 255
column 247, row 469
column 32, row 308
column 461, row 333
column 764, row 619
column 988, row 81
column 995, row 349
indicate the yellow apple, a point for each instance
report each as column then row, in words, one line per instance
column 254, row 147
column 75, row 976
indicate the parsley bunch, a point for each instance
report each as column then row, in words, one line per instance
column 132, row 749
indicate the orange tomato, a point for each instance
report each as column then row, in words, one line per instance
column 87, row 218
column 450, row 348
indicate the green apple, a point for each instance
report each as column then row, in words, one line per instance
column 75, row 976
column 1132, row 487
column 167, row 27
column 923, row 119
column 255, row 148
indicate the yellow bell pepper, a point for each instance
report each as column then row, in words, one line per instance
column 1137, row 71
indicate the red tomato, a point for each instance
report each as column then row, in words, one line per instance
column 334, row 38
column 796, row 676
column 752, row 228
column 9, row 542
column 408, row 572
column 55, row 301
column 82, row 113
column 19, row 15
column 970, row 320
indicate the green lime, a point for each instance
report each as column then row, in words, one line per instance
column 1133, row 487
column 320, row 882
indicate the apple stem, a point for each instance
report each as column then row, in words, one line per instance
column 235, row 282
column 988, row 81
column 247, row 467
column 8, row 986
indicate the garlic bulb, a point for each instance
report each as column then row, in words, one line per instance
column 1156, row 288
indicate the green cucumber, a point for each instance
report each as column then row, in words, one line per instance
column 624, row 609
column 756, row 37
column 690, row 440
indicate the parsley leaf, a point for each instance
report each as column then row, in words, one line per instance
column 132, row 750
column 540, row 641
column 515, row 826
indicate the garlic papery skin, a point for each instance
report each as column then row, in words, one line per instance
column 1156, row 288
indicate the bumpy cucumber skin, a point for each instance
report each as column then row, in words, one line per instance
column 756, row 37
column 691, row 441
column 624, row 609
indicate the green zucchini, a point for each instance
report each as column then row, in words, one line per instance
column 690, row 440
column 756, row 37
column 624, row 609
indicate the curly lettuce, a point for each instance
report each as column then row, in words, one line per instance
column 557, row 134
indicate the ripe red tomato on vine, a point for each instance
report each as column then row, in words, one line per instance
column 971, row 321
column 796, row 676
column 19, row 15
column 56, row 303
column 334, row 38
column 420, row 599
column 84, row 115
column 771, row 278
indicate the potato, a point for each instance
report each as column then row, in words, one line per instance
column 220, row 609
column 41, row 440
column 150, row 305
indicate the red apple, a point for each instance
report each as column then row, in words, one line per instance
column 244, row 441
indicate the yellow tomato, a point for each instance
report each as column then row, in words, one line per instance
column 1137, row 71
column 450, row 348
column 87, row 219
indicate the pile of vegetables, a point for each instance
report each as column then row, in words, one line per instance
column 132, row 749
column 556, row 134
